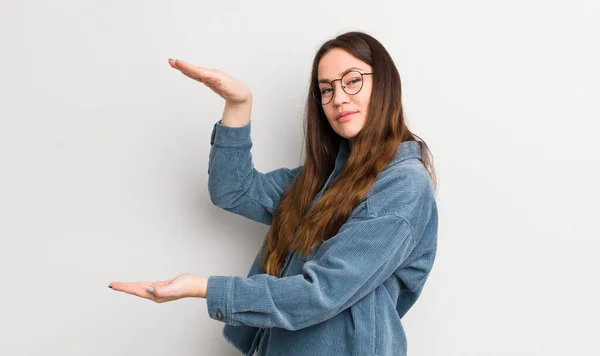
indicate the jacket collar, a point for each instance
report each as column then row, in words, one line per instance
column 406, row 150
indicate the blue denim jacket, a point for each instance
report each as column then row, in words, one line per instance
column 349, row 296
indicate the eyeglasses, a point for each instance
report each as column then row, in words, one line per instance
column 352, row 83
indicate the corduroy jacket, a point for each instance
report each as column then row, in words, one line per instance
column 349, row 296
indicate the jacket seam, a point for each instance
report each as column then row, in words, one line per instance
column 240, row 185
column 230, row 299
column 228, row 143
column 269, row 209
column 374, row 311
column 423, row 278
column 237, row 170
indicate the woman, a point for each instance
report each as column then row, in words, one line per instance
column 353, row 231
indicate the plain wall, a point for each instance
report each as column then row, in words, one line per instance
column 104, row 156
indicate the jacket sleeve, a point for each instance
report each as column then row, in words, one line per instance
column 348, row 266
column 233, row 182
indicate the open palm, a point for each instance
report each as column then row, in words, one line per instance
column 183, row 286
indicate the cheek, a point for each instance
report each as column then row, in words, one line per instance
column 362, row 104
column 364, row 100
column 330, row 113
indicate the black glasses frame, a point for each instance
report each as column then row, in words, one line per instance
column 317, row 91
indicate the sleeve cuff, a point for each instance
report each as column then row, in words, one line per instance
column 226, row 136
column 219, row 294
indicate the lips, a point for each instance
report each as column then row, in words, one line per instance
column 344, row 115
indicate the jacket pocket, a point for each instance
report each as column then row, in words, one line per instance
column 364, row 325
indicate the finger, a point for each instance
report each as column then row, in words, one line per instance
column 139, row 289
column 196, row 72
column 189, row 75
column 216, row 85
column 176, row 64
column 212, row 78
column 133, row 288
column 121, row 285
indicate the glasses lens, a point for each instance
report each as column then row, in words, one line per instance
column 352, row 82
column 324, row 93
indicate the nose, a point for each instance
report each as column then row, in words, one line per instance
column 339, row 95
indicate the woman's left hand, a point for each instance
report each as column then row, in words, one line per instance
column 186, row 285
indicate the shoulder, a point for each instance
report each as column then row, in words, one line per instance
column 403, row 189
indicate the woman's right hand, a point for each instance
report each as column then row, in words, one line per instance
column 232, row 90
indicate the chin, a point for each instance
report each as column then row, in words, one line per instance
column 348, row 133
column 348, row 137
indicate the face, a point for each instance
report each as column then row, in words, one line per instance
column 333, row 66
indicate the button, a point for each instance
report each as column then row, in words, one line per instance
column 219, row 315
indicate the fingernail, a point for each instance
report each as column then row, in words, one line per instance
column 150, row 289
column 110, row 287
column 172, row 59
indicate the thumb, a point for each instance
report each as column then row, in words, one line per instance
column 163, row 289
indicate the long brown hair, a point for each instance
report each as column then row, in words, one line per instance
column 372, row 150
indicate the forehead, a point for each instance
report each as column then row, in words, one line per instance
column 333, row 64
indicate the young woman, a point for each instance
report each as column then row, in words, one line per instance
column 353, row 231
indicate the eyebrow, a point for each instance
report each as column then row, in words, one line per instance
column 342, row 74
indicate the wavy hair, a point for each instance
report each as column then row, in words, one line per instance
column 373, row 148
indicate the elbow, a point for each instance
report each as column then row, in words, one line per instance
column 216, row 201
column 223, row 194
column 224, row 200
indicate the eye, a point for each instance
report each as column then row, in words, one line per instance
column 325, row 91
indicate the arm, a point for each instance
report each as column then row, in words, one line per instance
column 340, row 274
column 233, row 182
column 361, row 256
column 365, row 252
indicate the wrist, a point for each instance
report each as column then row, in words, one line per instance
column 200, row 286
column 242, row 100
column 236, row 114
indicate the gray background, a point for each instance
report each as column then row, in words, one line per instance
column 104, row 152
